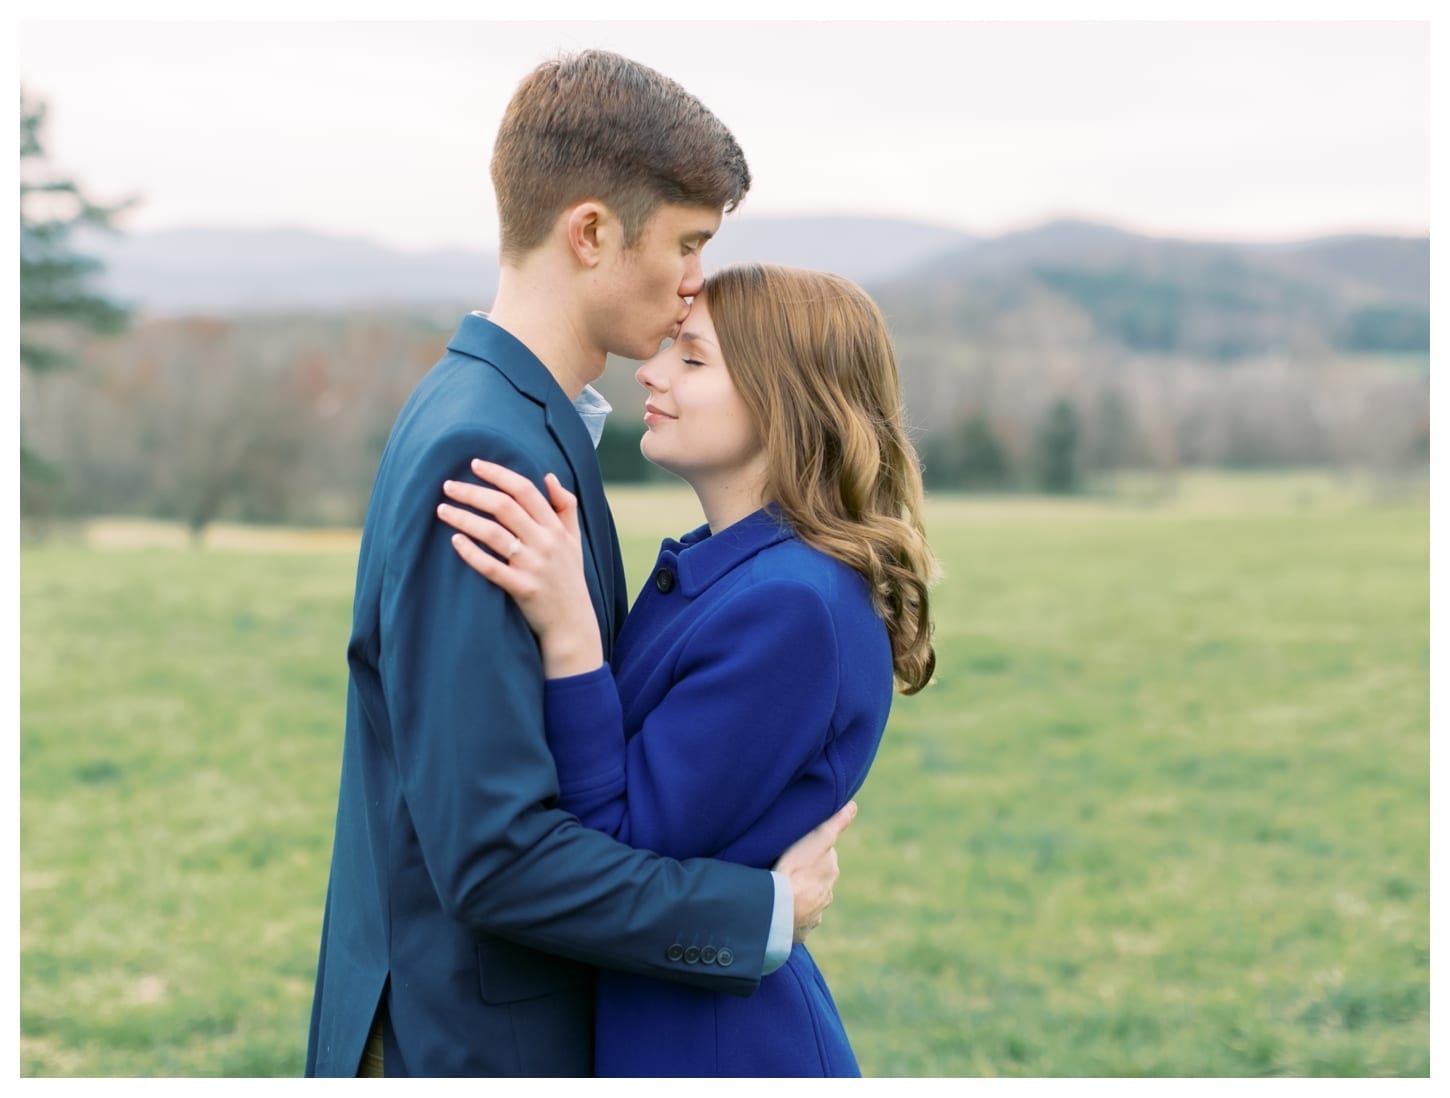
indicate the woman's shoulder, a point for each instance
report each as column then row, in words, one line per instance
column 792, row 561
column 797, row 580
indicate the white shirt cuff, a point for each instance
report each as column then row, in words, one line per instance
column 782, row 925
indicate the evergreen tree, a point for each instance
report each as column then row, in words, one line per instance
column 1057, row 445
column 981, row 460
column 938, row 462
column 1115, row 441
column 620, row 460
column 54, row 279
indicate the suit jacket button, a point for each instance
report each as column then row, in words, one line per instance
column 692, row 956
column 675, row 952
column 664, row 581
column 724, row 958
column 707, row 955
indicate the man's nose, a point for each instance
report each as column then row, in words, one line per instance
column 694, row 280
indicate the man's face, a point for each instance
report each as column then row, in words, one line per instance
column 646, row 287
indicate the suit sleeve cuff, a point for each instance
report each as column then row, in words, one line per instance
column 782, row 925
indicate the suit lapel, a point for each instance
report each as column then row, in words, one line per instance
column 479, row 337
column 595, row 523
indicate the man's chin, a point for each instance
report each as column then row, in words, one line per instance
column 648, row 352
column 645, row 351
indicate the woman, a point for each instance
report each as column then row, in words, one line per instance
column 753, row 676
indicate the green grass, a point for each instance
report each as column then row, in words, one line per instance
column 1164, row 812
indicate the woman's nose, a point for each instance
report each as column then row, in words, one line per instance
column 649, row 374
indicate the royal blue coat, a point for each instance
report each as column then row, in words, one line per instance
column 460, row 891
column 749, row 690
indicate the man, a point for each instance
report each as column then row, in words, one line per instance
column 465, row 909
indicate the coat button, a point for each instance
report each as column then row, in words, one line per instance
column 724, row 958
column 675, row 952
column 664, row 581
column 707, row 955
column 692, row 956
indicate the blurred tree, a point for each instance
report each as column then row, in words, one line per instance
column 620, row 460
column 1057, row 443
column 235, row 446
column 54, row 291
column 981, row 461
column 938, row 463
column 1114, row 443
column 968, row 457
column 1142, row 312
column 1387, row 328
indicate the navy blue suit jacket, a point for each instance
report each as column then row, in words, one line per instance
column 459, row 889
column 750, row 689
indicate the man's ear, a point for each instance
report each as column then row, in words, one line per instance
column 589, row 226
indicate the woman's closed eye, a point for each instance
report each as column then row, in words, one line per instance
column 693, row 361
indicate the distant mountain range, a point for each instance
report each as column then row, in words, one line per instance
column 1357, row 266
column 1207, row 300
column 229, row 271
column 867, row 250
column 1145, row 294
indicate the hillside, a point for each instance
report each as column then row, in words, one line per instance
column 235, row 271
column 1064, row 283
column 1172, row 297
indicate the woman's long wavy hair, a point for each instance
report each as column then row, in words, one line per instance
column 811, row 357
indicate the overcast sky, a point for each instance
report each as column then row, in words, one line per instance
column 383, row 130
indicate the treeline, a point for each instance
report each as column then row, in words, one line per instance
column 1229, row 310
column 1042, row 361
column 282, row 419
column 1345, row 414
column 1035, row 361
column 263, row 419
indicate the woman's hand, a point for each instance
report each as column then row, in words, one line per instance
column 537, row 558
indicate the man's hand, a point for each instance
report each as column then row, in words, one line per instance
column 810, row 865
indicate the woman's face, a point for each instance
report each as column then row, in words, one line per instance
column 696, row 424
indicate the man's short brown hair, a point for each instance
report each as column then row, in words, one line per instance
column 598, row 125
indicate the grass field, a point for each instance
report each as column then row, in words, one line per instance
column 1164, row 812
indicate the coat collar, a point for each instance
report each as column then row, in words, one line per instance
column 480, row 338
column 701, row 557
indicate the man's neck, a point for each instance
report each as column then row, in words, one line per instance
column 531, row 310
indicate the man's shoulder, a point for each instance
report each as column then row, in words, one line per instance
column 464, row 398
column 461, row 409
column 463, row 389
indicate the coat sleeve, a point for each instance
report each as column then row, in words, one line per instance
column 463, row 683
column 750, row 706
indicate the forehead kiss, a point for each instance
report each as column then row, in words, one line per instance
column 697, row 329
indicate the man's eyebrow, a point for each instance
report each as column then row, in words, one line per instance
column 701, row 236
